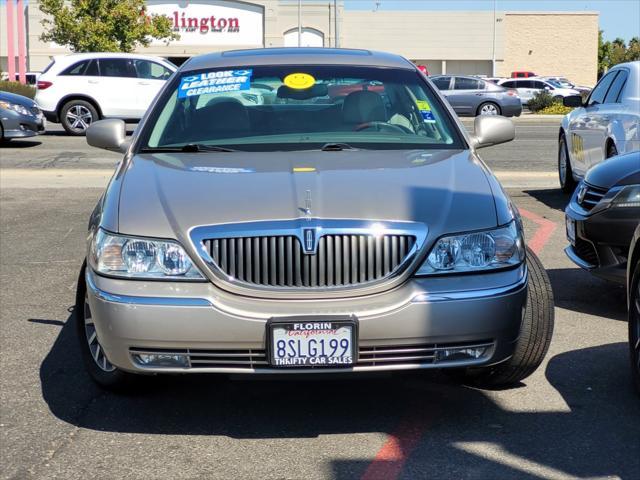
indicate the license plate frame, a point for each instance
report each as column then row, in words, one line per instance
column 335, row 321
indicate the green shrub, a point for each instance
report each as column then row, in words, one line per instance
column 540, row 101
column 556, row 109
column 17, row 88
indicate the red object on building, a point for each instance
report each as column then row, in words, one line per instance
column 16, row 16
column 423, row 69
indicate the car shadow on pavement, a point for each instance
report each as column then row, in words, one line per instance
column 19, row 144
column 464, row 432
column 578, row 291
column 552, row 197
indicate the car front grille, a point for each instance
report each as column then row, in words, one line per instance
column 586, row 251
column 592, row 196
column 380, row 356
column 340, row 260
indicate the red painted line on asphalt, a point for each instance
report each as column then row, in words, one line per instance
column 392, row 456
column 390, row 459
column 542, row 234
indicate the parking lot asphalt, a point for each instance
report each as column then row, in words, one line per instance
column 576, row 417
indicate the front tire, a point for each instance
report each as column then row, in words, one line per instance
column 535, row 335
column 612, row 151
column 77, row 115
column 565, row 172
column 634, row 326
column 95, row 360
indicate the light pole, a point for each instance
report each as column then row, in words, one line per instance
column 299, row 23
column 336, row 42
column 493, row 54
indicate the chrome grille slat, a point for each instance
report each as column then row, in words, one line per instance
column 592, row 196
column 414, row 354
column 340, row 259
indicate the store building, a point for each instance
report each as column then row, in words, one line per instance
column 460, row 42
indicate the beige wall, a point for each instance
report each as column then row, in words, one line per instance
column 425, row 34
column 552, row 44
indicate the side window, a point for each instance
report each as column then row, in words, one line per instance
column 509, row 84
column 442, row 83
column 617, row 87
column 92, row 69
column 600, row 90
column 151, row 70
column 463, row 83
column 524, row 84
column 76, row 69
column 537, row 85
column 116, row 67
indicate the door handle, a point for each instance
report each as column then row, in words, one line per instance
column 93, row 81
column 144, row 83
column 586, row 119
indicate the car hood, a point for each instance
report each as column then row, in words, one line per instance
column 18, row 99
column 620, row 170
column 167, row 194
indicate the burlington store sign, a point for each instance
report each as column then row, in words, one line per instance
column 213, row 22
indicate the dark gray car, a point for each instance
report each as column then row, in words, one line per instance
column 473, row 96
column 346, row 224
column 602, row 216
column 20, row 117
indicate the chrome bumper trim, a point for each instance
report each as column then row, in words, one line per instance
column 472, row 294
column 577, row 260
column 136, row 300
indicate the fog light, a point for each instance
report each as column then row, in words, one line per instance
column 465, row 353
column 162, row 360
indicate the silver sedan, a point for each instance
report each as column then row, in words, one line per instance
column 474, row 96
column 605, row 125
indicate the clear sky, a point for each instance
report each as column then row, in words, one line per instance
column 618, row 18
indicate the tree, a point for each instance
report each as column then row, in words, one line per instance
column 103, row 25
column 633, row 50
column 604, row 49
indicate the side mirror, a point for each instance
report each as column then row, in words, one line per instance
column 492, row 130
column 110, row 134
column 573, row 101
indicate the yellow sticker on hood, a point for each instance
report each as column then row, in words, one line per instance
column 299, row 81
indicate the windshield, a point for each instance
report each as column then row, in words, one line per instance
column 270, row 108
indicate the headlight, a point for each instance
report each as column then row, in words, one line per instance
column 16, row 108
column 131, row 257
column 487, row 250
column 629, row 196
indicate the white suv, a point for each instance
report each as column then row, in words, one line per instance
column 78, row 89
column 528, row 87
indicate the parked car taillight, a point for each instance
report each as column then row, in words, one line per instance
column 512, row 93
column 43, row 85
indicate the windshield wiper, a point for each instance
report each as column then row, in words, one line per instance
column 336, row 147
column 190, row 147
column 198, row 147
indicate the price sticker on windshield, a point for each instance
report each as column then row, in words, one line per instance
column 214, row 82
column 425, row 111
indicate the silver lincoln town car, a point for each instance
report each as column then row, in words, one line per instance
column 307, row 211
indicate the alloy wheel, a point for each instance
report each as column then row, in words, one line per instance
column 79, row 118
column 96, row 350
column 489, row 109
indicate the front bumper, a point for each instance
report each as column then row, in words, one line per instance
column 602, row 239
column 225, row 333
column 15, row 125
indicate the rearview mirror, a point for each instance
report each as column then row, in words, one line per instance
column 492, row 130
column 573, row 101
column 110, row 134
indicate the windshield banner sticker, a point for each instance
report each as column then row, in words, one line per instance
column 214, row 82
column 425, row 111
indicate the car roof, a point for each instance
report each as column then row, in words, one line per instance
column 296, row 56
column 74, row 57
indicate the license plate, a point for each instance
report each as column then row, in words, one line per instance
column 571, row 230
column 318, row 342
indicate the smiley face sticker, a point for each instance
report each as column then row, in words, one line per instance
column 299, row 81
